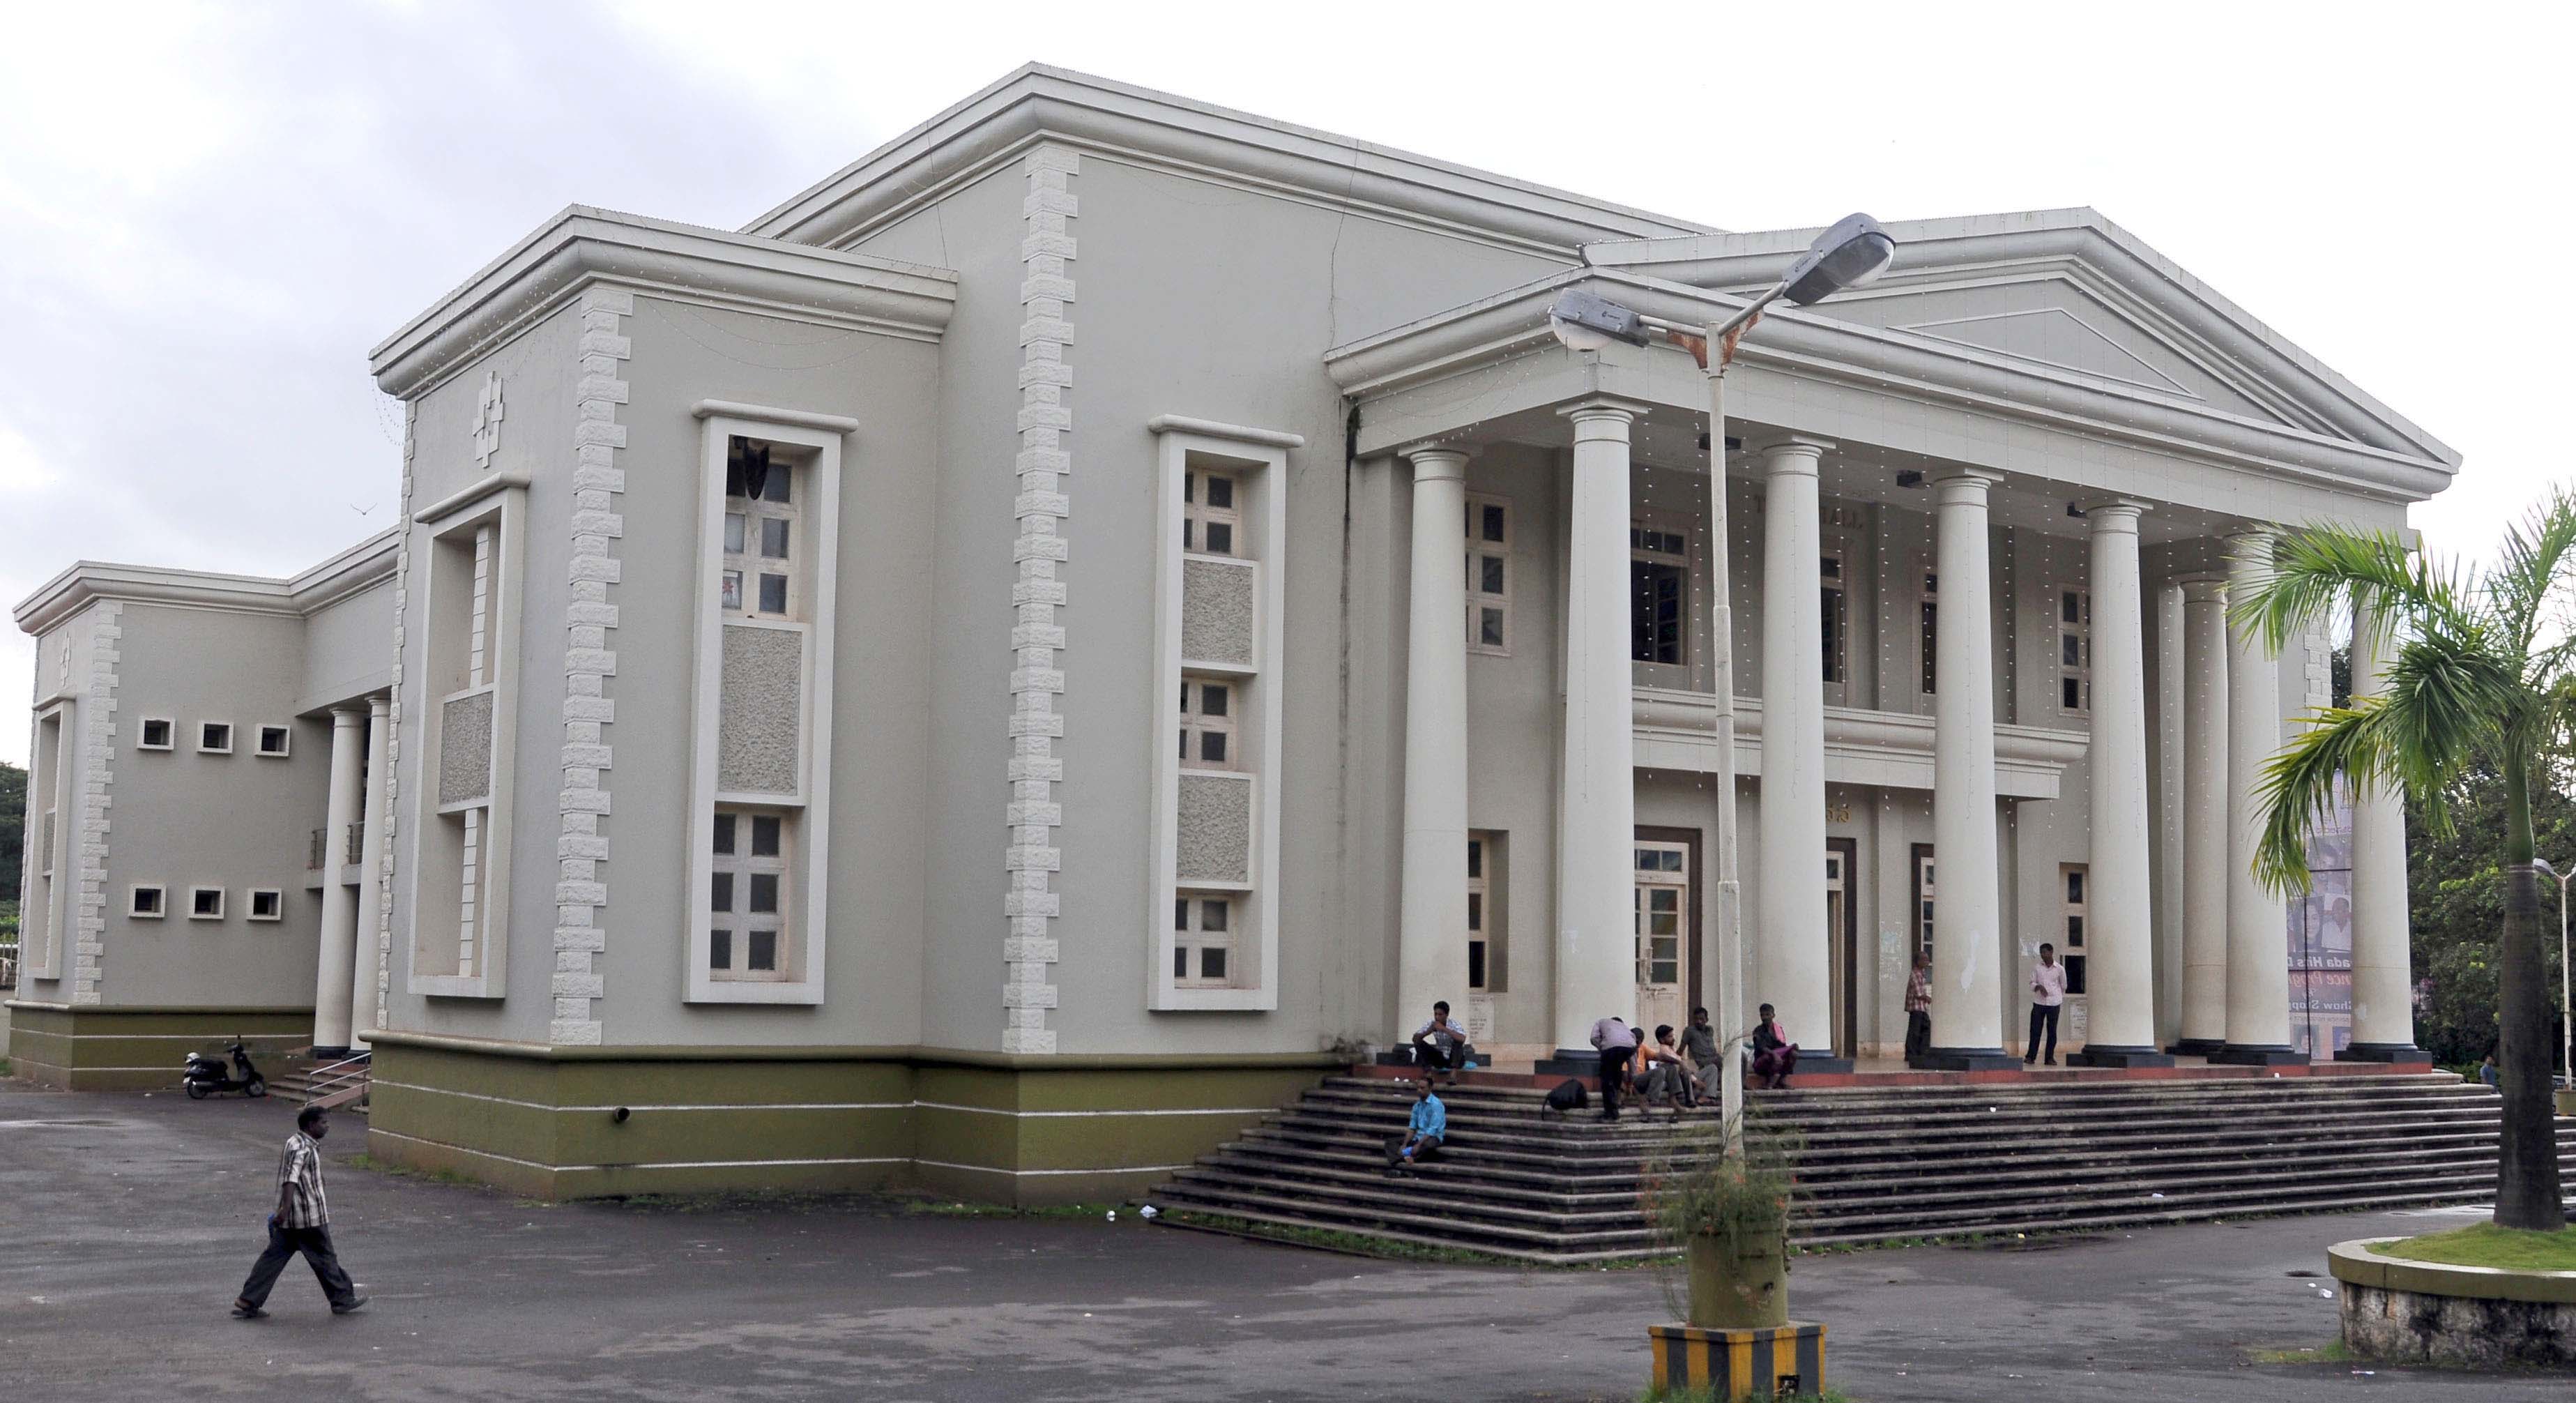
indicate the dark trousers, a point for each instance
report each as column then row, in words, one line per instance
column 1424, row 1149
column 1614, row 1075
column 2042, row 1014
column 315, row 1244
column 1918, row 1033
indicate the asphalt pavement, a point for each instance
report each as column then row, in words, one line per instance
column 126, row 1224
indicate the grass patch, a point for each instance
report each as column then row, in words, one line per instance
column 2331, row 1352
column 4, row 1066
column 403, row 1171
column 2487, row 1245
column 953, row 1208
column 1353, row 1244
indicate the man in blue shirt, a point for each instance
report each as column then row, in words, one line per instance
column 1422, row 1135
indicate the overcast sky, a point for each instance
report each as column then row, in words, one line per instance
column 208, row 214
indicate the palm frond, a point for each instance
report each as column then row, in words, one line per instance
column 2447, row 693
column 2535, row 553
column 2299, row 785
column 2309, row 573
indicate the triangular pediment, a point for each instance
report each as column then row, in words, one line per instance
column 2056, row 338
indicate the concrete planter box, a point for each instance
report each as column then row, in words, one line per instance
column 2435, row 1313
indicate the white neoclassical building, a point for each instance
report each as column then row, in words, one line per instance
column 1007, row 665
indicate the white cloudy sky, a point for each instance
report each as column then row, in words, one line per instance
column 207, row 214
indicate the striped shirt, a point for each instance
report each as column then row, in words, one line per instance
column 299, row 1174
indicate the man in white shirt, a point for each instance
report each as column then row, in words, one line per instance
column 2047, row 995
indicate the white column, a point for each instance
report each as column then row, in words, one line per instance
column 1431, row 961
column 2119, row 932
column 2258, row 923
column 364, row 1009
column 1790, row 966
column 1967, row 910
column 2383, row 981
column 2204, row 824
column 332, row 979
column 1596, row 963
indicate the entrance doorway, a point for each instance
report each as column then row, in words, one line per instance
column 1666, row 914
column 1842, row 932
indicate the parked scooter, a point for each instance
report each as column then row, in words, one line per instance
column 205, row 1074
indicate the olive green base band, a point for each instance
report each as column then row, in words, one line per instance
column 87, row 1048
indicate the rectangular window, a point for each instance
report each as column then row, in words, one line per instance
column 267, row 904
column 205, row 903
column 1208, row 717
column 146, row 901
column 2072, row 884
column 748, row 895
column 1484, row 912
column 1489, row 576
column 1931, row 628
column 1836, row 615
column 1923, row 899
column 764, row 533
column 156, row 733
column 472, row 567
column 2074, row 650
column 1211, row 511
column 1658, row 595
column 215, row 737
column 1203, row 926
column 273, row 740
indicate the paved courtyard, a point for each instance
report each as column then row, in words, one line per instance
column 126, row 1223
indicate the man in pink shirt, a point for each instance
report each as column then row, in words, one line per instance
column 2047, row 995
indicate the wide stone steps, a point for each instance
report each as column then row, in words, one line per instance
column 1873, row 1164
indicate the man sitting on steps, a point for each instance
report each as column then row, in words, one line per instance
column 1774, row 1056
column 1440, row 1045
column 1423, row 1135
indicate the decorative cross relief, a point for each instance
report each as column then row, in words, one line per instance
column 487, row 421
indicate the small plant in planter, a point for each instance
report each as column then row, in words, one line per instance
column 1730, row 1217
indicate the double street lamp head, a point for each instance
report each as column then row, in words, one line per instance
column 1850, row 254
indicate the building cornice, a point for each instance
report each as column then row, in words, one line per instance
column 582, row 246
column 85, row 582
column 1096, row 114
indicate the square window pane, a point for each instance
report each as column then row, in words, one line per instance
column 2068, row 649
column 1489, row 574
column 1220, row 538
column 1212, row 962
column 1212, row 747
column 719, row 949
column 763, row 953
column 773, row 537
column 2075, row 974
column 724, row 833
column 733, row 532
column 1475, row 858
column 1189, row 487
column 2075, row 888
column 1489, row 628
column 764, row 893
column 2074, row 932
column 1181, row 913
column 1213, row 915
column 207, row 902
column 720, row 898
column 1493, row 523
column 764, row 836
column 732, row 591
column 1180, row 962
column 147, row 899
column 1475, row 910
column 1831, row 567
column 214, row 737
column 1213, row 697
column 775, row 490
column 1475, row 964
column 773, row 594
column 156, row 733
column 2067, row 694
column 1220, row 491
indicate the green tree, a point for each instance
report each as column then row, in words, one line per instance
column 2455, row 896
column 13, row 827
column 2479, row 670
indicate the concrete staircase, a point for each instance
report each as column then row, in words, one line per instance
column 1873, row 1164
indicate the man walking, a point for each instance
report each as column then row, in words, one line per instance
column 1918, row 1007
column 2047, row 995
column 302, row 1223
column 1616, row 1044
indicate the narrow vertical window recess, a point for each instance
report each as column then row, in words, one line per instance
column 267, row 904
column 1658, row 596
column 156, row 733
column 214, row 738
column 2070, row 944
column 1485, row 923
column 1489, row 576
column 1929, row 637
column 1209, row 918
column 760, row 756
column 148, row 901
column 273, row 741
column 2075, row 651
column 1836, row 613
column 205, row 903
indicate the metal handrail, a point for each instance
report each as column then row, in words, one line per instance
column 337, row 1077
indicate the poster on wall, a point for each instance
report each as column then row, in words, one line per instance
column 2321, row 942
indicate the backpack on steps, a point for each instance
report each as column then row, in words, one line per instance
column 1568, row 1096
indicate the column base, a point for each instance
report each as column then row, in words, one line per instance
column 2113, row 1056
column 2258, row 1055
column 2197, row 1047
column 1964, row 1059
column 328, row 1054
column 2395, row 1054
column 1569, row 1062
column 1822, row 1062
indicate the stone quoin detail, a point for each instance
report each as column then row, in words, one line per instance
column 487, row 421
column 581, row 890
column 383, row 915
column 98, row 775
column 1045, row 422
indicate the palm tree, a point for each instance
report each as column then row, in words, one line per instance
column 2484, row 665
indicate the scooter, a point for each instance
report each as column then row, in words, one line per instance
column 205, row 1074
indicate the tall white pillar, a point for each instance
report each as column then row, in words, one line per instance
column 2119, row 931
column 332, row 979
column 1967, row 909
column 2383, row 980
column 1596, row 962
column 1791, row 970
column 364, row 1007
column 1431, row 961
column 2204, row 830
column 2258, row 922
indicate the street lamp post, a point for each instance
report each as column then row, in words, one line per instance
column 1854, row 251
column 2566, row 1004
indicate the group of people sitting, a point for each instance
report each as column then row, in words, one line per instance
column 1679, row 1070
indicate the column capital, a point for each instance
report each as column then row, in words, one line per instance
column 1601, row 416
column 1964, row 486
column 2203, row 589
column 2113, row 513
column 348, row 715
column 1776, row 446
column 2254, row 534
column 1433, row 462
column 379, row 706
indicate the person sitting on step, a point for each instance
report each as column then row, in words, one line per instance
column 1667, row 1077
column 1774, row 1056
column 1441, row 1044
column 1423, row 1134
